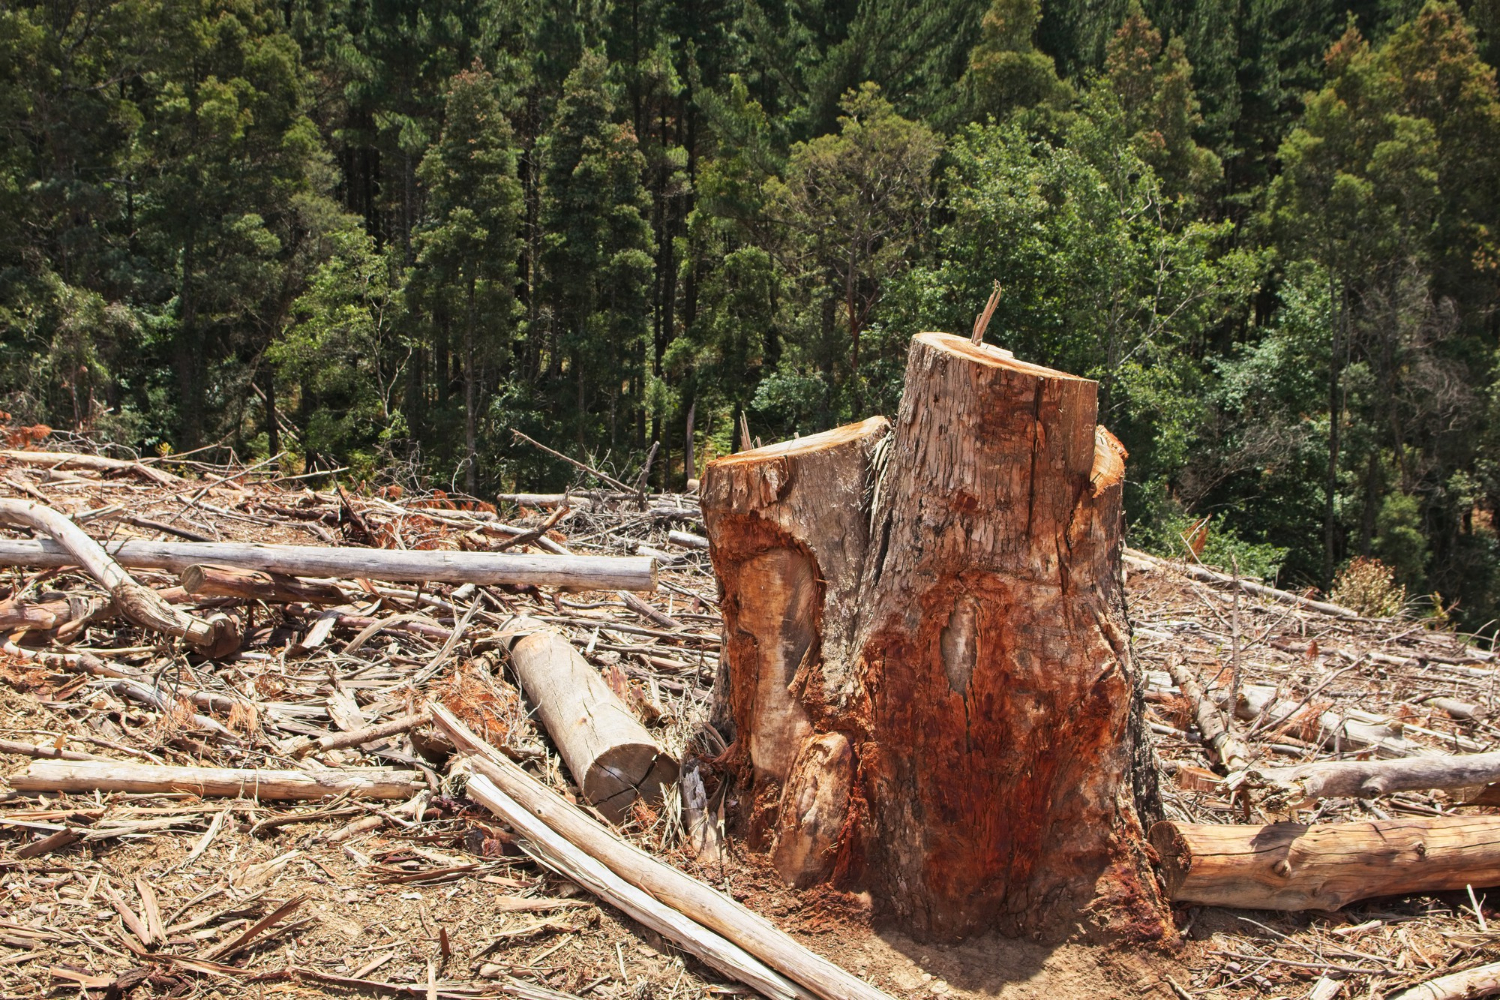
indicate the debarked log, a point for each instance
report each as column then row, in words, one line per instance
column 441, row 566
column 676, row 889
column 612, row 757
column 217, row 636
column 1291, row 866
column 1295, row 787
column 250, row 783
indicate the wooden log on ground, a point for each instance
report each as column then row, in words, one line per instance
column 203, row 580
column 441, row 566
column 572, row 863
column 1216, row 731
column 1205, row 575
column 45, row 752
column 1290, row 866
column 97, row 463
column 674, row 888
column 141, row 605
column 611, row 756
column 115, row 776
column 1282, row 788
column 49, row 614
column 952, row 603
column 1480, row 981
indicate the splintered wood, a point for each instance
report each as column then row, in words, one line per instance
column 926, row 620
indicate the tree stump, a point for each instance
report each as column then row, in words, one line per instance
column 928, row 662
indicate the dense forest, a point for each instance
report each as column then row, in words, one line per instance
column 380, row 235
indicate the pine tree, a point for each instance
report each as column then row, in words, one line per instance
column 467, row 252
column 1006, row 72
column 597, row 261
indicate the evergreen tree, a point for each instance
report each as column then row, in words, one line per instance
column 596, row 263
column 1006, row 72
column 467, row 251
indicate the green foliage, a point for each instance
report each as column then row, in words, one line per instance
column 1006, row 71
column 384, row 233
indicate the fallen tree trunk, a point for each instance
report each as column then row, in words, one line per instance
column 1216, row 731
column 1289, row 866
column 1206, row 575
column 661, row 881
column 570, row 862
column 141, row 605
column 611, row 756
column 1282, row 788
column 483, row 568
column 114, row 776
column 204, row 580
column 1480, row 981
column 97, row 463
column 948, row 600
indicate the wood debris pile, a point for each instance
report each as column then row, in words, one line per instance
column 296, row 810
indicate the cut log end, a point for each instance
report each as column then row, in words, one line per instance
column 626, row 772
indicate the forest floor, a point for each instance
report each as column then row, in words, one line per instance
column 435, row 899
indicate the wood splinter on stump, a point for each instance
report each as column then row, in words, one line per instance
column 928, row 663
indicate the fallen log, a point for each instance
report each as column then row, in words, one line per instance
column 1205, row 575
column 1291, row 866
column 96, row 463
column 1216, row 731
column 483, row 568
column 572, row 863
column 114, row 776
column 203, row 580
column 611, row 756
column 46, row 615
column 1282, row 788
column 671, row 887
column 1480, row 981
column 141, row 605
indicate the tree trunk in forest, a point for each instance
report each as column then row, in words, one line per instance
column 928, row 662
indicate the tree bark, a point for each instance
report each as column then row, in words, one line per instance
column 949, row 600
column 1289, row 866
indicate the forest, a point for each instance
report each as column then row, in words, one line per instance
column 377, row 237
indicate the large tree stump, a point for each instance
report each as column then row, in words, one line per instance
column 929, row 665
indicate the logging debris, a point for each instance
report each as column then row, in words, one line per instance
column 435, row 890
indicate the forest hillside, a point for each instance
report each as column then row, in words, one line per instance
column 380, row 236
